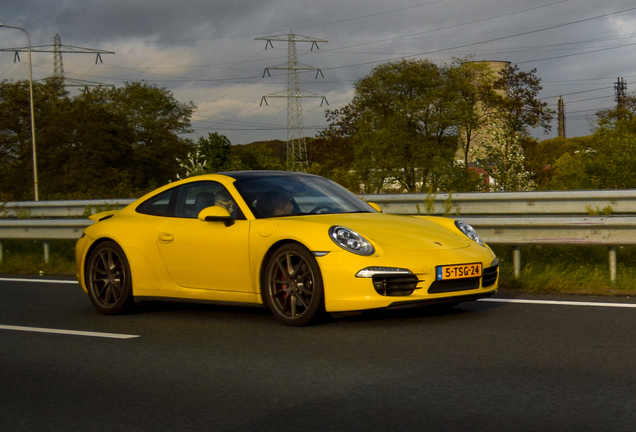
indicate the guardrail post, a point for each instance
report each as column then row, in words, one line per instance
column 612, row 263
column 516, row 261
column 46, row 252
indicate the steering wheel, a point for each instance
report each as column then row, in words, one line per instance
column 320, row 207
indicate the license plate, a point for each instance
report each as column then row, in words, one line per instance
column 459, row 271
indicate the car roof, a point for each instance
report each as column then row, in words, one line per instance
column 248, row 175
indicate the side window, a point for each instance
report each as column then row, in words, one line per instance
column 160, row 205
column 188, row 200
column 194, row 197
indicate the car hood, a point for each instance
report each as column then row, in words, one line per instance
column 404, row 232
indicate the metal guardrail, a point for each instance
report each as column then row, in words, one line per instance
column 592, row 230
column 41, row 229
column 507, row 218
column 550, row 203
column 59, row 209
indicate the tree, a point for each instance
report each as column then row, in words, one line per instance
column 156, row 120
column 15, row 136
column 610, row 163
column 518, row 107
column 567, row 173
column 505, row 162
column 607, row 158
column 266, row 155
column 399, row 122
column 621, row 119
column 332, row 157
column 101, row 143
column 97, row 159
column 541, row 156
column 212, row 154
column 334, row 154
column 51, row 105
column 606, row 163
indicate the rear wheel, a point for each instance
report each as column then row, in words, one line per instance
column 108, row 279
column 292, row 285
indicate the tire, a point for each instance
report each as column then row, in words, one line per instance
column 108, row 279
column 292, row 285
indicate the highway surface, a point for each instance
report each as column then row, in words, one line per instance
column 555, row 363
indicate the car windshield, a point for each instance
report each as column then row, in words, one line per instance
column 290, row 195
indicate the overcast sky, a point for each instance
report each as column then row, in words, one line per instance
column 205, row 51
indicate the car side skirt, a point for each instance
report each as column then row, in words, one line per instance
column 149, row 299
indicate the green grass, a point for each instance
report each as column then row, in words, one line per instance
column 569, row 270
column 27, row 257
column 553, row 269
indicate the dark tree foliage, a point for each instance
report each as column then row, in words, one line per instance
column 519, row 107
column 399, row 126
column 332, row 158
column 541, row 156
column 604, row 160
column 620, row 119
column 102, row 143
column 405, row 124
column 261, row 155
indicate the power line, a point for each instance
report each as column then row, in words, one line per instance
column 525, row 33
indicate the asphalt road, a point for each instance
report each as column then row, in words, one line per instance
column 481, row 366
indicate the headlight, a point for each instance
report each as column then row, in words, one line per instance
column 350, row 241
column 469, row 231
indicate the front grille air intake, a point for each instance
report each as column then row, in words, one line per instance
column 389, row 285
column 489, row 277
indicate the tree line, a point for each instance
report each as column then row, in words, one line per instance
column 411, row 126
column 105, row 142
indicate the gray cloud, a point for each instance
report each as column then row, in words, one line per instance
column 205, row 51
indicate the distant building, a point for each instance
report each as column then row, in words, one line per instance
column 479, row 137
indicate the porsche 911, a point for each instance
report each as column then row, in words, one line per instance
column 299, row 244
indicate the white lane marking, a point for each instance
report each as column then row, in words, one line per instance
column 39, row 280
column 559, row 303
column 69, row 332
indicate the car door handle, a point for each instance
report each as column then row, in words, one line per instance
column 166, row 238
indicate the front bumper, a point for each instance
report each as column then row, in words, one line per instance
column 346, row 292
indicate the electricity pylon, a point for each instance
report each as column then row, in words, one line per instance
column 620, row 88
column 58, row 67
column 58, row 64
column 296, row 142
column 561, row 114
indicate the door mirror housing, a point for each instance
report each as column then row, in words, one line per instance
column 216, row 214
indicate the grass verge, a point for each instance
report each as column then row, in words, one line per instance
column 569, row 270
column 27, row 257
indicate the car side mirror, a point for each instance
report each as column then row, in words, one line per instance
column 216, row 214
column 375, row 207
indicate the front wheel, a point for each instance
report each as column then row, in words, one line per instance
column 292, row 285
column 108, row 279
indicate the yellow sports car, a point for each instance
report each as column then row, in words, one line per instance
column 299, row 244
